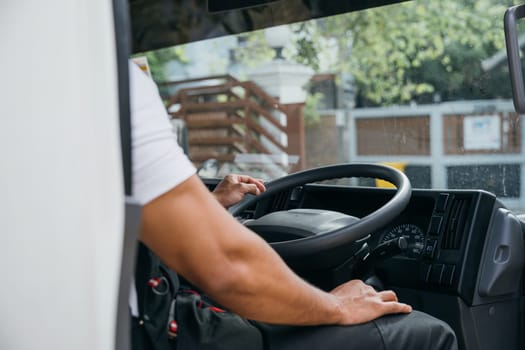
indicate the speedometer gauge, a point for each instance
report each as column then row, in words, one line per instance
column 414, row 236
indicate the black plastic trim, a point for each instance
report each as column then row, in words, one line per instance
column 513, row 55
column 132, row 211
column 159, row 24
column 123, row 47
column 502, row 265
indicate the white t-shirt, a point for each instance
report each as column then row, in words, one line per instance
column 159, row 164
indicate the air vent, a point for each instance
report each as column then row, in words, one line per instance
column 456, row 222
column 280, row 201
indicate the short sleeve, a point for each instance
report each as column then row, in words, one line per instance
column 159, row 163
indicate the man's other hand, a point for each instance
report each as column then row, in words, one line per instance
column 361, row 303
column 233, row 187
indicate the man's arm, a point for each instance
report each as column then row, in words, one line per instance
column 190, row 231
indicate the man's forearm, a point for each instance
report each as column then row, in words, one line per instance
column 191, row 233
column 258, row 285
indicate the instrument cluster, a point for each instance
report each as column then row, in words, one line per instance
column 414, row 235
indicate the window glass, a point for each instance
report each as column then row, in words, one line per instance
column 422, row 86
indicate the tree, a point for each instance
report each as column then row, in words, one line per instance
column 417, row 51
column 409, row 52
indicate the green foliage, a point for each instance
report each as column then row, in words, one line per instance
column 158, row 59
column 311, row 116
column 306, row 45
column 410, row 51
column 414, row 51
column 253, row 49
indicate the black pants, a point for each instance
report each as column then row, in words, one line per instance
column 414, row 331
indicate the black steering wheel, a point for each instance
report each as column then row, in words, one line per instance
column 333, row 242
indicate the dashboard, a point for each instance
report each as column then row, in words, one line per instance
column 463, row 263
column 452, row 237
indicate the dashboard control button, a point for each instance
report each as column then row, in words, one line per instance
column 430, row 248
column 424, row 272
column 441, row 203
column 448, row 274
column 435, row 225
column 436, row 273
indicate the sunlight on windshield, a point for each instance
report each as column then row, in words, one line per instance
column 422, row 86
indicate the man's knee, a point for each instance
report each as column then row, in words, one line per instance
column 443, row 335
column 416, row 331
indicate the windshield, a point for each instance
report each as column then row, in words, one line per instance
column 422, row 86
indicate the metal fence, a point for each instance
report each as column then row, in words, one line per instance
column 468, row 144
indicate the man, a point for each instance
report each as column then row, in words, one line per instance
column 192, row 233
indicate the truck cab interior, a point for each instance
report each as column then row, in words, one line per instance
column 385, row 130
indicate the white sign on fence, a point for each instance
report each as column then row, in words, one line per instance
column 482, row 132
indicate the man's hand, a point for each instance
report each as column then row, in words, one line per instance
column 233, row 187
column 361, row 303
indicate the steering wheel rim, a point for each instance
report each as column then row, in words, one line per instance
column 334, row 245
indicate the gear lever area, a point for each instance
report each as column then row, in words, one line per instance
column 364, row 268
column 360, row 266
